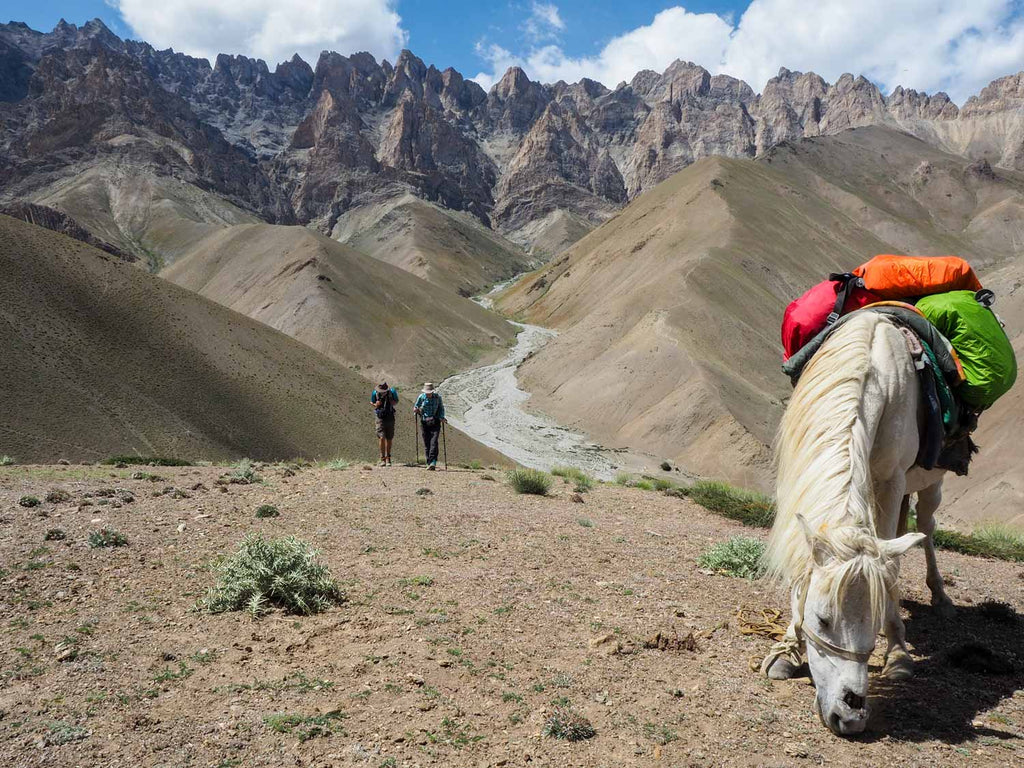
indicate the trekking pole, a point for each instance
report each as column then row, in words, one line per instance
column 416, row 432
column 444, row 442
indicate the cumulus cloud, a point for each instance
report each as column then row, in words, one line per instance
column 543, row 23
column 272, row 30
column 929, row 45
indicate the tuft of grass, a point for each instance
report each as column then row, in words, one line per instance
column 338, row 464
column 28, row 501
column 531, row 481
column 57, row 496
column 244, row 473
column 282, row 572
column 748, row 507
column 569, row 725
column 59, row 733
column 659, row 483
column 6, row 461
column 306, row 727
column 996, row 541
column 740, row 556
column 267, row 510
column 582, row 482
column 106, row 537
column 156, row 461
column 623, row 478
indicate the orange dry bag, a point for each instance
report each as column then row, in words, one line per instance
column 902, row 277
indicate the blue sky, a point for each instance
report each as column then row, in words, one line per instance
column 952, row 45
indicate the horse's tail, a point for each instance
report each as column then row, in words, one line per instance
column 823, row 450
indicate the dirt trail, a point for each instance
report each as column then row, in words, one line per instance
column 471, row 614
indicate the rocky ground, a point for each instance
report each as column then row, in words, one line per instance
column 471, row 613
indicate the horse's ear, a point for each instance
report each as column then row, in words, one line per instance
column 819, row 550
column 896, row 547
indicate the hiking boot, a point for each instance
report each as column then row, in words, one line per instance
column 431, row 468
column 382, row 462
column 388, row 460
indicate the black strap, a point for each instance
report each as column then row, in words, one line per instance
column 847, row 280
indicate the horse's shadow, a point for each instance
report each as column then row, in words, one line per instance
column 970, row 664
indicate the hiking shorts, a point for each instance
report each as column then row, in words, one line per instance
column 386, row 427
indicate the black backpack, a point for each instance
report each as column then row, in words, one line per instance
column 385, row 408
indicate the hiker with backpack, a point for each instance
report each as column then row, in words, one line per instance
column 383, row 399
column 430, row 410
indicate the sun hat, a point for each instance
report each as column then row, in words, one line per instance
column 382, row 387
column 428, row 387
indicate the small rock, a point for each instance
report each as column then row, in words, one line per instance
column 796, row 750
column 424, row 492
column 63, row 462
column 414, row 679
column 576, row 499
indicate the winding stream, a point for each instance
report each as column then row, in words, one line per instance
column 487, row 404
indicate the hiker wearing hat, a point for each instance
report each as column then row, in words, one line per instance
column 383, row 399
column 430, row 409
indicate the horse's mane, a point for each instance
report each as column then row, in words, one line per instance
column 823, row 469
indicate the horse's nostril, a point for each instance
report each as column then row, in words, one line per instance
column 834, row 722
column 853, row 701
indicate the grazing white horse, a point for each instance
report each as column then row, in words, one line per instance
column 846, row 451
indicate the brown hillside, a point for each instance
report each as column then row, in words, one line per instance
column 447, row 248
column 349, row 306
column 101, row 359
column 670, row 311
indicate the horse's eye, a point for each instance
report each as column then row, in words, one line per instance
column 824, row 623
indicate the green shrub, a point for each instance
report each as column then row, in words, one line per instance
column 658, row 483
column 28, row 501
column 305, row 727
column 988, row 541
column 565, row 723
column 244, row 473
column 267, row 510
column 6, row 461
column 529, row 481
column 747, row 507
column 739, row 556
column 156, row 461
column 282, row 572
column 57, row 496
column 582, row 482
column 623, row 478
column 105, row 537
column 338, row 464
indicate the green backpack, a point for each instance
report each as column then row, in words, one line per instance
column 985, row 352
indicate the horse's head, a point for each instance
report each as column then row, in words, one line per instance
column 852, row 580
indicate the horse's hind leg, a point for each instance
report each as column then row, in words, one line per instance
column 927, row 502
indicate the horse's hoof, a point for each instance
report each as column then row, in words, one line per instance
column 780, row 669
column 898, row 667
column 945, row 608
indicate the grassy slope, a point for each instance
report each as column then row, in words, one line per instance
column 366, row 313
column 101, row 358
column 670, row 311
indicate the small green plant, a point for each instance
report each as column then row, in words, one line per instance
column 338, row 464
column 306, row 727
column 452, row 733
column 168, row 673
column 59, row 733
column 659, row 483
column 531, row 481
column 156, row 461
column 55, row 534
column 28, row 501
column 508, row 696
column 6, row 461
column 582, row 482
column 106, row 537
column 57, row 496
column 739, row 556
column 475, row 464
column 747, row 507
column 267, row 510
column 660, row 734
column 282, row 572
column 623, row 478
column 584, row 522
column 567, row 724
column 244, row 473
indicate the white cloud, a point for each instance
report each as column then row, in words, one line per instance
column 930, row 45
column 543, row 23
column 268, row 29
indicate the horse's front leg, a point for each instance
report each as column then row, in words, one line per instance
column 784, row 659
column 927, row 502
column 898, row 664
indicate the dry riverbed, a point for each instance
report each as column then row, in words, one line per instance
column 471, row 614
